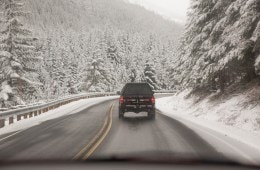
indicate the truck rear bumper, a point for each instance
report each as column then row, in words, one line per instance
column 137, row 108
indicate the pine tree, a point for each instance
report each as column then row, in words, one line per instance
column 99, row 68
column 219, row 46
column 17, row 55
column 150, row 76
column 97, row 77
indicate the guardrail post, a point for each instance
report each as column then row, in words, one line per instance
column 11, row 120
column 19, row 117
column 2, row 123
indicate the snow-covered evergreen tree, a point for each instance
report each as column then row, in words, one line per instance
column 97, row 77
column 219, row 47
column 82, row 50
column 150, row 76
column 17, row 56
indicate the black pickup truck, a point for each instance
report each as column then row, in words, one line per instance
column 137, row 97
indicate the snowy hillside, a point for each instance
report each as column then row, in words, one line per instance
column 83, row 15
column 218, row 61
column 220, row 48
column 237, row 110
column 70, row 46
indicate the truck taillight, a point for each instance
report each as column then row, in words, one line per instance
column 153, row 99
column 121, row 99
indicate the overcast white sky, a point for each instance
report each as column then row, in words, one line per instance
column 172, row 9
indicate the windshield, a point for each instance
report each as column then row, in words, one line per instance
column 67, row 69
column 137, row 89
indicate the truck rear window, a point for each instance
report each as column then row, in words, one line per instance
column 137, row 89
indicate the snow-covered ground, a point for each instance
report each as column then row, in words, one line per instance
column 68, row 109
column 228, row 118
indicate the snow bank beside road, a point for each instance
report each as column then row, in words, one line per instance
column 228, row 118
column 68, row 109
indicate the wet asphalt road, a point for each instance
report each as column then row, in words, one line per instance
column 67, row 136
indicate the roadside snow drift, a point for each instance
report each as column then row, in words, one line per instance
column 229, row 118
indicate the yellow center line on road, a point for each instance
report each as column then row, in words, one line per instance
column 97, row 140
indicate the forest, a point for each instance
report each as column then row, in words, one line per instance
column 50, row 49
column 220, row 48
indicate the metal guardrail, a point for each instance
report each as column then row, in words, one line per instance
column 165, row 91
column 8, row 117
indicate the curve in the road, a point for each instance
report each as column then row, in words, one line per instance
column 56, row 139
column 91, row 134
column 85, row 152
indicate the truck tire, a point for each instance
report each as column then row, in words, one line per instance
column 151, row 115
column 120, row 114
